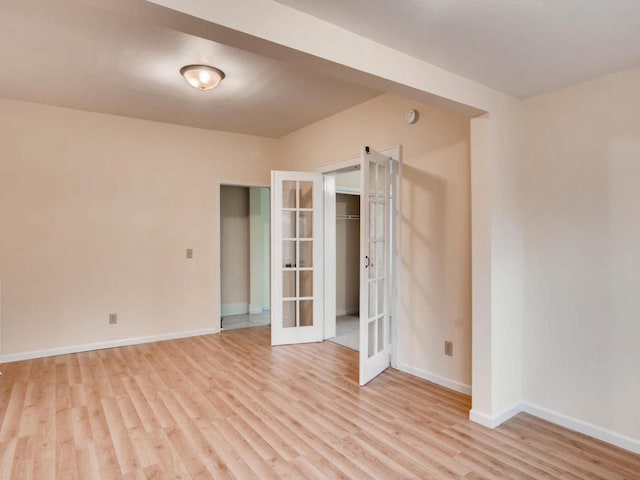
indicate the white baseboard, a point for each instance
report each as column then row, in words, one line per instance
column 266, row 308
column 349, row 311
column 617, row 439
column 253, row 310
column 492, row 421
column 239, row 308
column 15, row 357
column 437, row 379
column 594, row 431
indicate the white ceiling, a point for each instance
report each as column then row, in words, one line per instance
column 520, row 47
column 70, row 54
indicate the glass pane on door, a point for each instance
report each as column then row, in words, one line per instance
column 371, row 344
column 288, row 224
column 289, row 194
column 372, row 179
column 306, row 254
column 288, row 284
column 373, row 260
column 380, row 183
column 306, row 313
column 306, row 283
column 289, row 314
column 289, row 254
column 306, row 224
column 306, row 195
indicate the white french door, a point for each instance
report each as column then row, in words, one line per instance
column 296, row 257
column 375, row 261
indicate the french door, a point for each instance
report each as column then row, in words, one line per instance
column 297, row 262
column 296, row 257
column 375, row 261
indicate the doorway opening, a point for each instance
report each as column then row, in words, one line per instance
column 303, row 256
column 244, row 257
column 347, row 259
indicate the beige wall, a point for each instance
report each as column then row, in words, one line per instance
column 96, row 212
column 582, row 266
column 234, row 244
column 347, row 254
column 436, row 244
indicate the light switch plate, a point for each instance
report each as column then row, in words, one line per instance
column 448, row 348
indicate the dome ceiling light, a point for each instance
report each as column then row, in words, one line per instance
column 202, row 77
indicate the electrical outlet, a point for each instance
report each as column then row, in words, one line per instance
column 189, row 252
column 448, row 348
column 113, row 318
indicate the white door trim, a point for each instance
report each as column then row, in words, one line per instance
column 329, row 198
column 334, row 167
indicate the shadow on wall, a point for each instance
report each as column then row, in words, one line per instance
column 423, row 253
column 436, row 270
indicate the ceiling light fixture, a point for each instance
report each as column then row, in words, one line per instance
column 202, row 77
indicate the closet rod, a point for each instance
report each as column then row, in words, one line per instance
column 349, row 217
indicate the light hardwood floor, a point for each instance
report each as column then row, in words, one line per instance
column 230, row 406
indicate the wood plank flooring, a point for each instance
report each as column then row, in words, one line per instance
column 230, row 406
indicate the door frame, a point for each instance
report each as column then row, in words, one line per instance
column 217, row 231
column 329, row 170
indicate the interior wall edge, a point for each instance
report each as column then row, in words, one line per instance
column 493, row 421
